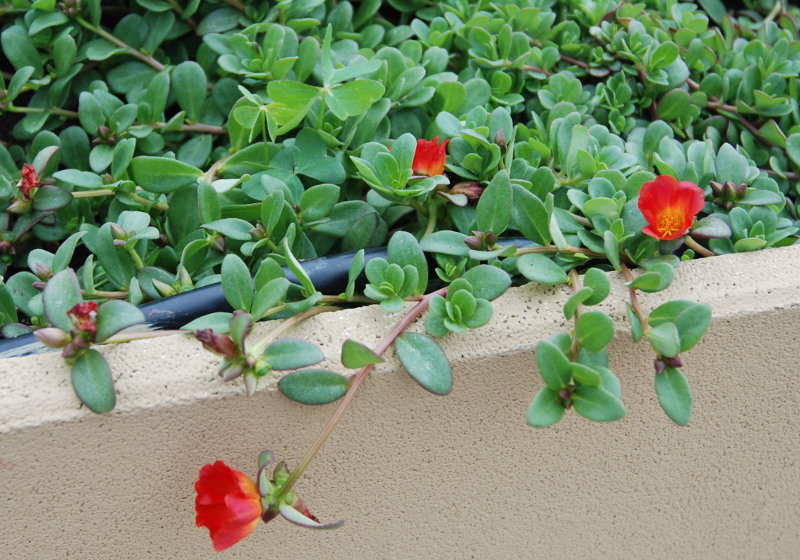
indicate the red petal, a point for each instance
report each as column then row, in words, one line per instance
column 228, row 504
column 692, row 196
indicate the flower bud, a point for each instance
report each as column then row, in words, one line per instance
column 565, row 396
column 164, row 289
column 75, row 347
column 52, row 337
column 231, row 372
column 216, row 342
column 659, row 365
column 727, row 194
column 161, row 241
column 118, row 233
column 7, row 248
column 19, row 207
column 674, row 362
column 217, row 243
column 481, row 241
column 250, row 384
column 500, row 138
column 42, row 271
column 281, row 473
column 184, row 277
column 474, row 242
column 472, row 189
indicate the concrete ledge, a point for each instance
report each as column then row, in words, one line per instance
column 419, row 476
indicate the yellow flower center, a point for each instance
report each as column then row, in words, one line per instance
column 669, row 221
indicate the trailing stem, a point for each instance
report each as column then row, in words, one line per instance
column 634, row 299
column 359, row 378
column 575, row 280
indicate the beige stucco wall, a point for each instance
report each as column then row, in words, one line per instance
column 419, row 476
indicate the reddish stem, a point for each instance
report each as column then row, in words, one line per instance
column 387, row 341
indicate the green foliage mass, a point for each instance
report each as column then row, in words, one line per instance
column 175, row 142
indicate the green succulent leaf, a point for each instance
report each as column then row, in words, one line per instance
column 554, row 365
column 674, row 395
column 546, row 409
column 93, row 383
column 313, row 386
column 664, row 339
column 162, row 175
column 237, row 284
column 293, row 353
column 594, row 330
column 539, row 268
column 425, row 361
column 690, row 319
column 61, row 294
column 114, row 316
column 597, row 404
column 355, row 355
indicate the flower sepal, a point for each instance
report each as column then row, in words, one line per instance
column 275, row 501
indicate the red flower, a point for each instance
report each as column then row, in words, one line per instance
column 84, row 317
column 30, row 180
column 429, row 157
column 228, row 503
column 669, row 206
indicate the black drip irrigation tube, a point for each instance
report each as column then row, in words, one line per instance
column 328, row 274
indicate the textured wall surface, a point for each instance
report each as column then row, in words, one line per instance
column 419, row 476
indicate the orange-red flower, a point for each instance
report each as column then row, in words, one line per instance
column 429, row 157
column 30, row 180
column 669, row 206
column 228, row 503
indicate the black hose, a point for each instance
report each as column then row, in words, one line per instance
column 328, row 274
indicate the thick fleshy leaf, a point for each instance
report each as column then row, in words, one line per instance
column 425, row 361
column 597, row 404
column 636, row 325
column 597, row 280
column 237, row 284
column 494, row 206
column 314, row 386
column 690, row 318
column 664, row 339
column 61, row 294
column 190, row 87
column 115, row 315
column 269, row 296
column 446, row 242
column 539, row 268
column 219, row 322
column 674, row 395
column 50, row 197
column 553, row 365
column 594, row 330
column 162, row 175
column 575, row 300
column 658, row 277
column 488, row 282
column 92, row 381
column 585, row 375
column 546, row 409
column 355, row 355
column 292, row 353
column 404, row 249
column 711, row 227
